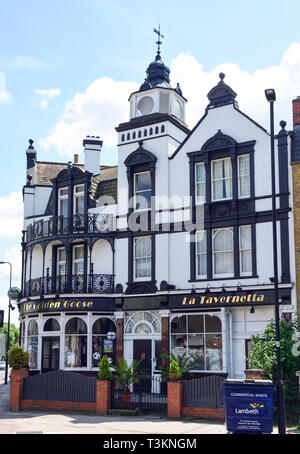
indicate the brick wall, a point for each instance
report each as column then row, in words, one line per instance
column 296, row 198
column 296, row 112
column 206, row 413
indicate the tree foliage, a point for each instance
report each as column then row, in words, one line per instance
column 185, row 363
column 104, row 369
column 17, row 357
column 14, row 334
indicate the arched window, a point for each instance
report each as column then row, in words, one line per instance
column 51, row 325
column 223, row 260
column 123, row 138
column 145, row 132
column 128, row 136
column 162, row 128
column 143, row 323
column 198, row 336
column 76, row 343
column 140, row 134
column 151, row 132
column 156, row 130
column 103, row 341
column 32, row 343
column 134, row 135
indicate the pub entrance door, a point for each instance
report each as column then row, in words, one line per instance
column 50, row 354
column 142, row 350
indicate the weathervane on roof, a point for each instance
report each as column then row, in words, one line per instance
column 158, row 42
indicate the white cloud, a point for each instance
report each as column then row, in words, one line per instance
column 22, row 62
column 48, row 93
column 284, row 78
column 5, row 96
column 104, row 104
column 11, row 215
column 14, row 314
column 96, row 111
column 13, row 256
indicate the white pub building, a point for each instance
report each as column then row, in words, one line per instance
column 169, row 251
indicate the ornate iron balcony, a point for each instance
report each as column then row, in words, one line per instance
column 77, row 224
column 76, row 283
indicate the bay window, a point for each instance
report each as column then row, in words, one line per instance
column 76, row 343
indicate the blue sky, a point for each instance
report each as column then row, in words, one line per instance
column 67, row 45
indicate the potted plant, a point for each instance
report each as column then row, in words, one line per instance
column 185, row 363
column 126, row 376
column 104, row 369
column 18, row 358
column 174, row 371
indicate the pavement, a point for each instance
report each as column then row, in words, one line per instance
column 54, row 422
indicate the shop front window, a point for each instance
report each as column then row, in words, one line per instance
column 200, row 337
column 32, row 344
column 103, row 341
column 76, row 343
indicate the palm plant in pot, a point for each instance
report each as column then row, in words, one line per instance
column 126, row 376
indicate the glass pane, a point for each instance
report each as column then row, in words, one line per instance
column 51, row 325
column 196, row 324
column 79, row 188
column 244, row 165
column 178, row 325
column 33, row 352
column 78, row 252
column 201, row 241
column 245, row 237
column 143, row 247
column 103, row 326
column 143, row 328
column 213, row 351
column 143, row 200
column 200, row 173
column 61, row 270
column 223, row 240
column 63, row 208
column 78, row 268
column 61, row 254
column 79, row 205
column 178, row 344
column 143, row 267
column 63, row 192
column 97, row 350
column 142, row 181
column 196, row 349
column 224, row 263
column 246, row 262
column 212, row 324
column 76, row 326
column 32, row 328
column 75, row 351
column 201, row 264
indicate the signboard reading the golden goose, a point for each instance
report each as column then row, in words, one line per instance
column 70, row 305
column 228, row 299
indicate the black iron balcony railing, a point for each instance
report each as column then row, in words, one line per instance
column 76, row 283
column 79, row 223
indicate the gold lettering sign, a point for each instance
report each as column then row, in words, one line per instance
column 56, row 305
column 222, row 299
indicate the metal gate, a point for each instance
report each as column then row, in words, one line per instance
column 147, row 399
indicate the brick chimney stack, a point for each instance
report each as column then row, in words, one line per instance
column 296, row 111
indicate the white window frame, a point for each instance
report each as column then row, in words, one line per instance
column 140, row 193
column 135, row 278
column 75, row 261
column 60, row 262
column 243, row 176
column 200, row 276
column 197, row 183
column 245, row 273
column 214, row 232
column 62, row 197
column 220, row 179
column 77, row 195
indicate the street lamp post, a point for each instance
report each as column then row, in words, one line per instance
column 8, row 324
column 271, row 97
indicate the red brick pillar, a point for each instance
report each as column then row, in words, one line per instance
column 17, row 377
column 174, row 399
column 119, row 335
column 103, row 396
column 165, row 337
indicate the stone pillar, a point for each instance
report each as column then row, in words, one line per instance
column 119, row 335
column 255, row 374
column 174, row 399
column 17, row 377
column 165, row 336
column 103, row 396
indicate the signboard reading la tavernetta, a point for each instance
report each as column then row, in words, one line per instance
column 63, row 305
column 228, row 299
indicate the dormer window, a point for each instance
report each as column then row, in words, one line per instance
column 78, row 199
column 63, row 202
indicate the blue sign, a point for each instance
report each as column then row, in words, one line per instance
column 248, row 406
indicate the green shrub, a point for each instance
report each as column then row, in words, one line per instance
column 17, row 357
column 174, row 371
column 104, row 370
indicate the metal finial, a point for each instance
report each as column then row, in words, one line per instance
column 30, row 144
column 222, row 75
column 158, row 42
column 282, row 124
